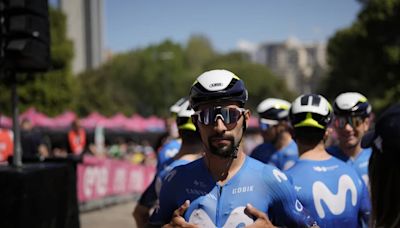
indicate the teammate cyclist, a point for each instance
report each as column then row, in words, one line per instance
column 352, row 119
column 330, row 189
column 278, row 147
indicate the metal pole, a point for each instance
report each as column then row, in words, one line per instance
column 17, row 158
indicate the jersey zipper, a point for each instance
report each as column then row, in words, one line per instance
column 218, row 206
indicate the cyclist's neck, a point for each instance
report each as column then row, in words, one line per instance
column 352, row 152
column 223, row 169
column 313, row 152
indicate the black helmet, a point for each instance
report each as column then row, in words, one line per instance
column 217, row 85
column 351, row 104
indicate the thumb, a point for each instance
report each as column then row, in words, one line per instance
column 254, row 213
column 181, row 210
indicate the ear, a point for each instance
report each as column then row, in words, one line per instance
column 247, row 115
column 367, row 123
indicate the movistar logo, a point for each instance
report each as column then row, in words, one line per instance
column 335, row 202
column 215, row 84
column 236, row 218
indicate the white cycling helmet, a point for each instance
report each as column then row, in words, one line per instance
column 215, row 86
column 351, row 104
column 184, row 117
column 175, row 108
column 273, row 110
column 310, row 110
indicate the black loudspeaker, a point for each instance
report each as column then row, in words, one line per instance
column 25, row 35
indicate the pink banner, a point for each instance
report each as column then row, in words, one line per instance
column 100, row 177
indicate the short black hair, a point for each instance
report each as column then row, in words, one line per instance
column 309, row 135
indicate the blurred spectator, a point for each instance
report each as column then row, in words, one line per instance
column 76, row 138
column 6, row 144
column 32, row 141
column 384, row 170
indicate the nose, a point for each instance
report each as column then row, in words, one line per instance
column 219, row 125
column 348, row 127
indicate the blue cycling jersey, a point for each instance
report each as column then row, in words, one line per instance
column 332, row 192
column 167, row 151
column 285, row 157
column 360, row 163
column 213, row 205
column 161, row 175
column 263, row 152
column 149, row 197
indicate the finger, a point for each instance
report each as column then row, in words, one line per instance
column 254, row 212
column 181, row 210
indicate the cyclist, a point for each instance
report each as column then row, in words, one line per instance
column 352, row 120
column 171, row 146
column 189, row 149
column 278, row 148
column 330, row 189
column 222, row 183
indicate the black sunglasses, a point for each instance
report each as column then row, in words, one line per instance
column 228, row 115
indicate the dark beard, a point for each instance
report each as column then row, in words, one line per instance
column 226, row 151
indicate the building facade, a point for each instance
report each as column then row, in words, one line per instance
column 85, row 23
column 300, row 65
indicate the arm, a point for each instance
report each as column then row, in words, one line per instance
column 141, row 212
column 169, row 200
column 286, row 209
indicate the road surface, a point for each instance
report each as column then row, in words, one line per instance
column 116, row 216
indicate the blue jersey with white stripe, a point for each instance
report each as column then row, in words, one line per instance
column 332, row 192
column 167, row 151
column 213, row 205
column 360, row 163
column 285, row 157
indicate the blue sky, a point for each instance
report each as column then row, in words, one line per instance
column 130, row 24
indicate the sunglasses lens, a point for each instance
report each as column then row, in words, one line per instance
column 228, row 115
column 353, row 121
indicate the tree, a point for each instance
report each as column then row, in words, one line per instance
column 366, row 56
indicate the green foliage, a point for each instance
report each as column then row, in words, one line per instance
column 366, row 56
column 147, row 81
column 51, row 92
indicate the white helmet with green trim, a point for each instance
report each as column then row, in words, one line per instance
column 310, row 110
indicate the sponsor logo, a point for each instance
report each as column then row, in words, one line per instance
column 192, row 191
column 298, row 205
column 297, row 188
column 237, row 218
column 215, row 84
column 279, row 175
column 243, row 189
column 363, row 164
column 199, row 183
column 335, row 202
column 170, row 175
column 325, row 168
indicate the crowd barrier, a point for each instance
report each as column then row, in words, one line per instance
column 98, row 178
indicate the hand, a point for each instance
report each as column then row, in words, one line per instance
column 141, row 215
column 261, row 218
column 177, row 218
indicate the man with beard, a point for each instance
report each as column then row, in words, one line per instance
column 278, row 148
column 223, row 184
column 352, row 119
